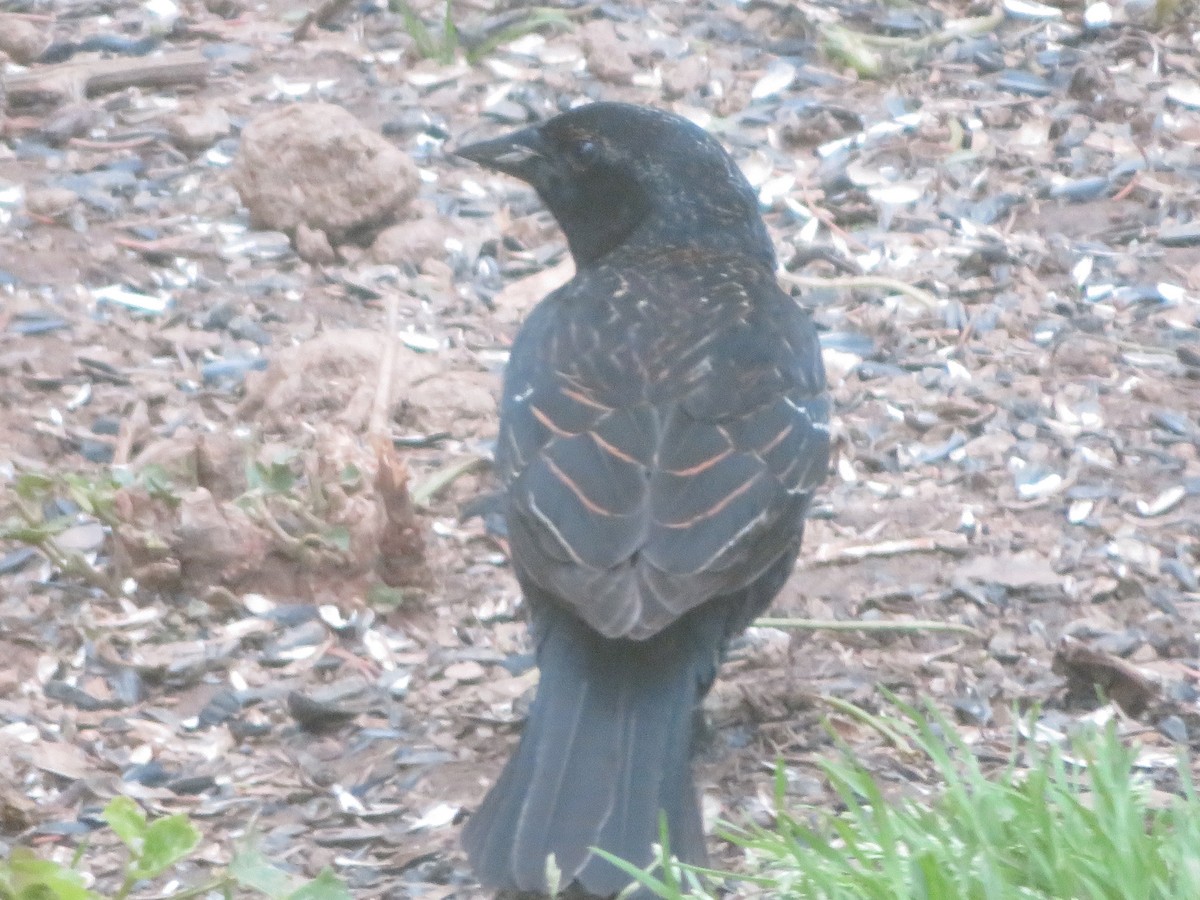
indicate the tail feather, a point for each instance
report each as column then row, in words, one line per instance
column 659, row 728
column 606, row 749
column 574, row 768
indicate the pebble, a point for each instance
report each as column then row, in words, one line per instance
column 466, row 672
column 21, row 39
column 198, row 129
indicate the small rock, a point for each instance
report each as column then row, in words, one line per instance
column 690, row 74
column 467, row 672
column 191, row 784
column 314, row 714
column 606, row 54
column 1088, row 669
column 1017, row 572
column 220, row 316
column 245, row 328
column 411, row 242
column 1003, row 647
column 315, row 164
column 70, row 120
column 1174, row 728
column 313, row 246
column 226, row 9
column 86, row 537
column 49, row 202
column 1089, row 82
column 21, row 39
column 198, row 128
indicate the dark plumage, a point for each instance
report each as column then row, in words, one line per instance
column 662, row 430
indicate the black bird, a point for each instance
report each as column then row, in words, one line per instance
column 663, row 427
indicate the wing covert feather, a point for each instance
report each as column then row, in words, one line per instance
column 647, row 476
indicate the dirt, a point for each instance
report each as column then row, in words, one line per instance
column 1019, row 461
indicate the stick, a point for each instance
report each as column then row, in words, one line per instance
column 75, row 80
column 896, row 626
column 877, row 723
column 133, row 424
column 174, row 245
column 942, row 543
column 863, row 281
column 131, row 144
column 378, row 423
column 444, row 477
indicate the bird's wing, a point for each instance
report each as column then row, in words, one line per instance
column 645, row 480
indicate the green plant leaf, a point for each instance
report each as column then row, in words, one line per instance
column 123, row 476
column 416, row 29
column 847, row 46
column 256, row 475
column 275, row 478
column 280, row 479
column 167, row 841
column 326, row 886
column 449, row 36
column 157, row 482
column 126, row 818
column 535, row 20
column 32, row 485
column 338, row 536
column 87, row 495
column 387, row 597
column 27, row 534
column 641, row 876
column 25, row 876
column 254, row 871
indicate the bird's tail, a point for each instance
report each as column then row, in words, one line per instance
column 605, row 749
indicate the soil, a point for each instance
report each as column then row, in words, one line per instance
column 291, row 629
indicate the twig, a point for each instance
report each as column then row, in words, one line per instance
column 131, row 426
column 377, row 424
column 130, row 144
column 858, row 48
column 899, row 627
column 941, row 543
column 401, row 550
column 863, row 281
column 1128, row 189
column 876, row 723
column 288, row 544
column 74, row 80
column 174, row 245
column 444, row 477
column 825, row 217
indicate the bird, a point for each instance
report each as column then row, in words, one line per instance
column 664, row 425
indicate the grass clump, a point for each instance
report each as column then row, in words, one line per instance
column 445, row 40
column 1077, row 822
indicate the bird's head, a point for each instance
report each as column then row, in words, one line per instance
column 617, row 175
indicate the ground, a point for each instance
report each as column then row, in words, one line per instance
column 276, row 614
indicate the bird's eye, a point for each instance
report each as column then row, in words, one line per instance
column 586, row 151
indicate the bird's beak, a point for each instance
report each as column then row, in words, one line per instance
column 514, row 154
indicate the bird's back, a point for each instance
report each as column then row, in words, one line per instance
column 676, row 409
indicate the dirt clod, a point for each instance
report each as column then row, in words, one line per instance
column 22, row 40
column 197, row 127
column 315, row 164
